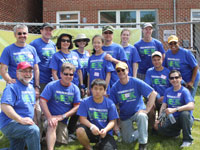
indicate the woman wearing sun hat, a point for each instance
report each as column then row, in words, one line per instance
column 183, row 60
column 81, row 42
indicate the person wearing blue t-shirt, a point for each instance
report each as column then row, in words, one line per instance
column 183, row 60
column 145, row 47
column 115, row 50
column 45, row 49
column 18, row 52
column 158, row 78
column 97, row 117
column 60, row 100
column 81, row 42
column 131, row 53
column 98, row 66
column 16, row 117
column 179, row 103
column 64, row 44
column 127, row 93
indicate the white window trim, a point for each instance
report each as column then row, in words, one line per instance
column 58, row 13
column 118, row 15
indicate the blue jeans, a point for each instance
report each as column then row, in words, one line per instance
column 184, row 122
column 20, row 135
column 127, row 128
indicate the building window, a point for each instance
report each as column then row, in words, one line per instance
column 127, row 16
column 69, row 18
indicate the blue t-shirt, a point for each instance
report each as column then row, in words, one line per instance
column 84, row 62
column 60, row 98
column 45, row 52
column 184, row 61
column 159, row 80
column 117, row 52
column 178, row 98
column 145, row 50
column 12, row 55
column 132, row 56
column 129, row 96
column 98, row 68
column 59, row 58
column 21, row 98
column 98, row 114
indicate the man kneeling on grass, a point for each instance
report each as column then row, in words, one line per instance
column 97, row 117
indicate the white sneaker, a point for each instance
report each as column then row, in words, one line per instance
column 186, row 144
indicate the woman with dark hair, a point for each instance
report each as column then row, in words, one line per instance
column 64, row 44
column 81, row 42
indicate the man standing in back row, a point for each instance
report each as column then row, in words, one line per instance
column 146, row 46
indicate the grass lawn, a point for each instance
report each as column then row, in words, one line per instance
column 154, row 143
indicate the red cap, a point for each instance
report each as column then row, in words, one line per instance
column 24, row 65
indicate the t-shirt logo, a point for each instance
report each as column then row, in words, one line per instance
column 97, row 65
column 147, row 51
column 28, row 98
column 23, row 57
column 174, row 101
column 127, row 96
column 174, row 63
column 159, row 81
column 63, row 98
column 98, row 115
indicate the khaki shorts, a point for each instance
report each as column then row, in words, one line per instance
column 62, row 133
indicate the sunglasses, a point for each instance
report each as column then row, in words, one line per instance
column 68, row 74
column 81, row 41
column 172, row 78
column 23, row 71
column 20, row 33
column 173, row 43
column 63, row 40
column 119, row 70
column 108, row 33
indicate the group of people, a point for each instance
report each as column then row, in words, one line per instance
column 96, row 96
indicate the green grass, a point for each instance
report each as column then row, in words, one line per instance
column 155, row 142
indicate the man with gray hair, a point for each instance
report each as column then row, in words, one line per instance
column 18, row 52
column 60, row 100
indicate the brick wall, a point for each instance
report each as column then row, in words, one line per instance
column 89, row 8
column 21, row 10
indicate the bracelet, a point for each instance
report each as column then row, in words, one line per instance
column 64, row 116
column 92, row 126
column 177, row 109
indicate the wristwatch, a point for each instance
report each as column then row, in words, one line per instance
column 37, row 86
column 64, row 116
column 177, row 109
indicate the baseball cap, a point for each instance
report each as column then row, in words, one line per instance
column 46, row 24
column 147, row 25
column 172, row 38
column 121, row 65
column 107, row 28
column 24, row 65
column 156, row 53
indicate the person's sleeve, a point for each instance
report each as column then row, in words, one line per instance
column 82, row 110
column 112, row 113
column 77, row 97
column 122, row 54
column 113, row 95
column 36, row 58
column 109, row 66
column 148, row 78
column 47, row 93
column 165, row 97
column 144, row 88
column 88, row 67
column 191, row 59
column 135, row 56
column 9, row 96
column 5, row 57
column 187, row 96
column 54, row 62
column 160, row 47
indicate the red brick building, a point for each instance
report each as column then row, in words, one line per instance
column 21, row 11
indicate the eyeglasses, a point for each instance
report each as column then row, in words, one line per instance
column 119, row 70
column 68, row 74
column 172, row 78
column 26, row 71
column 20, row 33
column 81, row 41
column 64, row 40
column 108, row 32
column 173, row 43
